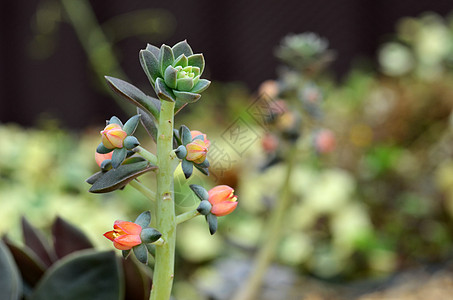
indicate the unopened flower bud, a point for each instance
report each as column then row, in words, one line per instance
column 196, row 151
column 113, row 136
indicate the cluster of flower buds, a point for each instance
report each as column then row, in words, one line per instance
column 174, row 72
column 192, row 150
column 135, row 236
column 217, row 202
column 118, row 139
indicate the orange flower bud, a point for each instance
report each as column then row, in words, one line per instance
column 195, row 133
column 124, row 235
column 223, row 200
column 196, row 151
column 101, row 157
column 113, row 136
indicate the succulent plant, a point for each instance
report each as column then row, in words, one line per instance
column 174, row 72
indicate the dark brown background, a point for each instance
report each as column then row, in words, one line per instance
column 236, row 37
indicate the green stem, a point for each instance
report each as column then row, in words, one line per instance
column 143, row 189
column 249, row 289
column 146, row 154
column 187, row 216
column 165, row 213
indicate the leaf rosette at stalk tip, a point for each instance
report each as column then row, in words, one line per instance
column 174, row 72
column 118, row 138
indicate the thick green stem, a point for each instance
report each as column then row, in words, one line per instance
column 146, row 154
column 165, row 213
column 250, row 288
column 187, row 216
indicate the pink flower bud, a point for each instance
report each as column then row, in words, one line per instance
column 197, row 151
column 269, row 143
column 223, row 200
column 195, row 133
column 325, row 141
column 101, row 157
column 124, row 235
column 113, row 136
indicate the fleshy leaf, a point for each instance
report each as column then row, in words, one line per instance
column 212, row 223
column 204, row 208
column 163, row 92
column 166, row 58
column 131, row 125
column 153, row 49
column 115, row 120
column 205, row 171
column 143, row 219
column 187, row 168
column 186, row 136
column 141, row 253
column 181, row 61
column 68, row 238
column 101, row 149
column 182, row 48
column 150, row 65
column 86, row 274
column 118, row 156
column 92, row 179
column 200, row 191
column 36, row 241
column 30, row 266
column 120, row 177
column 186, row 97
column 10, row 280
column 201, row 86
column 196, row 60
column 184, row 84
column 134, row 95
column 150, row 235
column 148, row 123
column 130, row 142
column 170, row 77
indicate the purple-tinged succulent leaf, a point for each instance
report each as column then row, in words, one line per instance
column 35, row 240
column 68, row 238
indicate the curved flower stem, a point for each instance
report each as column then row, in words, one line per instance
column 146, row 154
column 187, row 216
column 250, row 288
column 165, row 212
column 144, row 190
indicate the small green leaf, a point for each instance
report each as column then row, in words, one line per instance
column 205, row 171
column 204, row 164
column 10, row 280
column 101, row 149
column 196, row 60
column 115, row 120
column 131, row 125
column 130, row 142
column 186, row 97
column 181, row 152
column 148, row 123
column 120, row 177
column 143, row 219
column 92, row 179
column 150, row 235
column 186, row 136
column 170, row 77
column 150, row 65
column 212, row 222
column 181, row 61
column 166, row 58
column 200, row 191
column 153, row 49
column 141, row 253
column 36, row 241
column 126, row 253
column 184, row 84
column 85, row 274
column 134, row 95
column 187, row 168
column 204, row 208
column 201, row 86
column 163, row 92
column 182, row 48
column 118, row 156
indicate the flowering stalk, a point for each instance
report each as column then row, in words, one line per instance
column 165, row 213
column 267, row 248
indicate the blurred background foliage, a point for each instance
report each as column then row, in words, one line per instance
column 382, row 202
